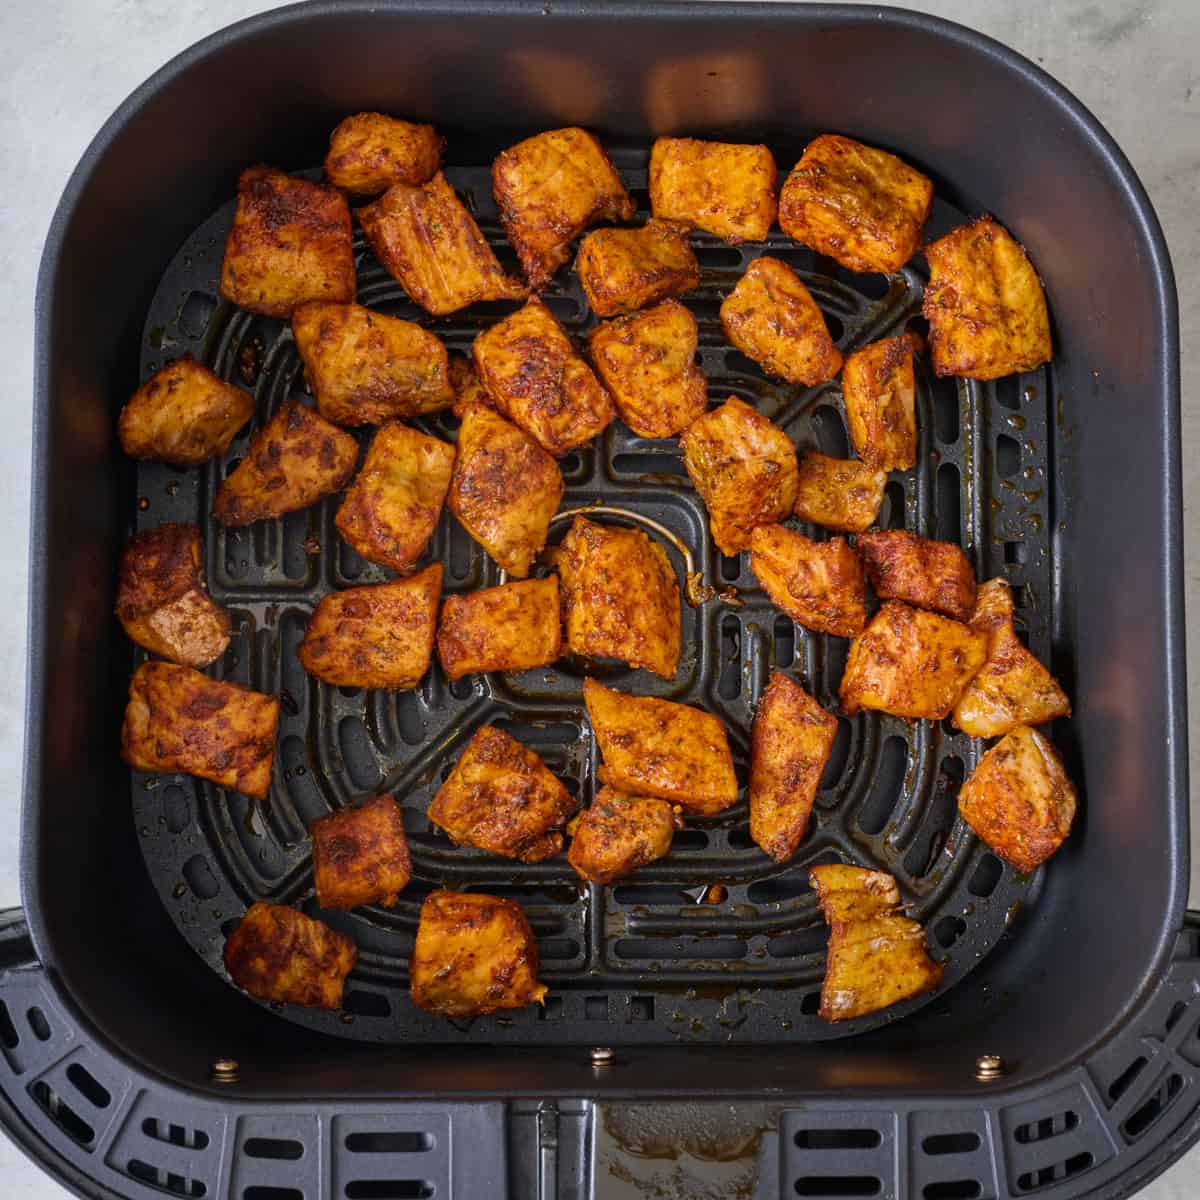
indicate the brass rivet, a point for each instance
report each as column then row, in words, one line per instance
column 225, row 1070
column 989, row 1067
column 602, row 1056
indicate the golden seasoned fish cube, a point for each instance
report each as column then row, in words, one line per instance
column 366, row 368
column 474, row 954
column 880, row 389
column 838, row 493
column 161, row 600
column 501, row 797
column 927, row 574
column 655, row 747
column 393, row 505
column 861, row 206
column 1019, row 799
column 180, row 720
column 505, row 489
column 789, row 747
column 360, row 855
column 376, row 636
column 984, row 303
column 720, row 187
column 771, row 317
column 294, row 460
column 290, row 242
column 617, row 833
column 623, row 270
column 426, row 239
column 1012, row 688
column 620, row 597
column 911, row 663
column 508, row 628
column 818, row 584
column 279, row 954
column 368, row 152
column 464, row 379
column 530, row 369
column 183, row 414
column 877, row 957
column 744, row 467
column 648, row 362
column 549, row 189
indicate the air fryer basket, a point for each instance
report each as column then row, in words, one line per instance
column 1067, row 482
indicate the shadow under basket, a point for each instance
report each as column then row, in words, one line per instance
column 676, row 1032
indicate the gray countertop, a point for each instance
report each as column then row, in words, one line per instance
column 65, row 66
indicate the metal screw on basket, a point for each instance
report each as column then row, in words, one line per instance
column 602, row 1056
column 225, row 1070
column 988, row 1067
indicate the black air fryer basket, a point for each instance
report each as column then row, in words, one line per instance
column 683, row 998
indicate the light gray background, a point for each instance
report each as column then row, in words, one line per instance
column 65, row 65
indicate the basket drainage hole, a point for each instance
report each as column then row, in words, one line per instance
column 164, row 1180
column 641, row 1008
column 1159, row 1101
column 196, row 313
column 261, row 1191
column 986, row 876
column 551, row 1009
column 388, row 1142
column 200, row 878
column 951, row 1143
column 1008, row 455
column 367, row 1004
column 62, row 1114
column 175, row 1135
column 953, row 1189
column 1032, row 1180
column 1047, row 1127
column 838, row 1139
column 388, row 1189
column 810, row 1004
column 38, row 1023
column 88, row 1086
column 1015, row 554
column 595, row 1008
column 1120, row 1085
column 285, row 1149
column 838, row 1185
column 948, row 930
column 887, row 787
column 8, row 1031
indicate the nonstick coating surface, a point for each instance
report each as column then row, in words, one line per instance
column 644, row 960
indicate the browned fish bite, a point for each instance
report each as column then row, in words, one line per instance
column 771, row 317
column 622, row 270
column 290, row 242
column 877, row 957
column 392, row 507
column 376, row 636
column 984, row 303
column 360, row 855
column 161, row 600
column 1012, row 688
column 620, row 597
column 294, row 460
column 789, row 747
column 617, row 833
column 500, row 797
column 744, row 467
column 648, row 363
column 911, row 663
column 505, row 489
column 464, row 379
column 530, row 369
column 863, row 207
column 721, row 187
column 549, row 189
column 879, row 388
column 183, row 414
column 180, row 720
column 474, row 954
column 818, row 584
column 366, row 368
column 921, row 572
column 368, row 152
column 654, row 747
column 838, row 493
column 426, row 239
column 279, row 954
column 508, row 628
column 1019, row 799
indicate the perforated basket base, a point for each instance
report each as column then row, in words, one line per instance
column 648, row 959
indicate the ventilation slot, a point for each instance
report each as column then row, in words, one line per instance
column 641, row 465
column 953, row 1189
column 951, row 1143
column 778, row 889
column 949, row 508
column 8, row 1031
column 886, row 786
column 551, row 1009
column 367, row 1004
column 641, row 1008
column 1177, row 1011
column 1046, row 1128
column 945, row 409
column 831, row 432
column 355, row 745
column 948, row 930
column 276, row 1149
column 939, row 820
column 784, row 641
column 1153, row 1107
column 164, row 1180
column 62, row 1114
column 986, row 876
column 388, row 1189
column 88, row 1086
column 838, row 1139
column 266, row 1192
column 200, row 878
column 38, row 1023
column 838, row 1185
column 892, row 514
column 175, row 1135
column 386, row 1142
column 1121, row 1084
column 839, row 755
column 1032, row 1180
column 729, row 685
